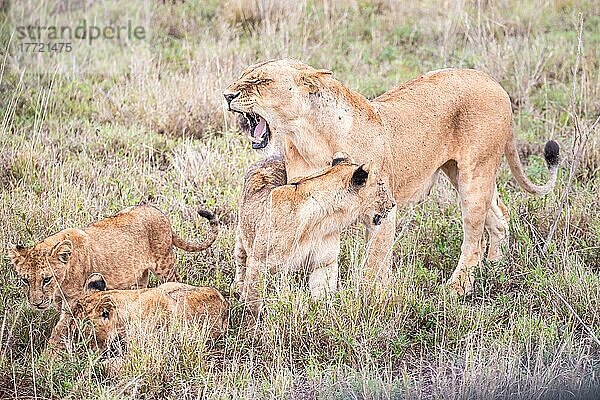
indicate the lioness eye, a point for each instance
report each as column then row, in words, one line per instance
column 46, row 280
column 259, row 81
column 104, row 314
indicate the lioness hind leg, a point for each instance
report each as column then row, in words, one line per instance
column 496, row 224
column 475, row 189
column 496, row 221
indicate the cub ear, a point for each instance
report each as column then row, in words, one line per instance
column 340, row 158
column 16, row 254
column 312, row 79
column 95, row 283
column 360, row 176
column 62, row 251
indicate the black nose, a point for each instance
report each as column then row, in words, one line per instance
column 230, row 96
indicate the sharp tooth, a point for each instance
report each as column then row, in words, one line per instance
column 247, row 116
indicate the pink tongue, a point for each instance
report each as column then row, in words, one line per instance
column 261, row 128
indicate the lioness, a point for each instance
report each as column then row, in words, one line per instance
column 458, row 121
column 123, row 248
column 112, row 312
column 299, row 224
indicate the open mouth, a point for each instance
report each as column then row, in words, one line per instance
column 257, row 126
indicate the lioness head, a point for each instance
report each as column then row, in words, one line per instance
column 350, row 188
column 97, row 311
column 41, row 270
column 271, row 95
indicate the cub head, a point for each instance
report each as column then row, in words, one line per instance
column 354, row 189
column 96, row 313
column 271, row 95
column 41, row 270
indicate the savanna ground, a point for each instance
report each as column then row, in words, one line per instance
column 115, row 123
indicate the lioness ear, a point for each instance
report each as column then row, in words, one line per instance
column 312, row 79
column 16, row 254
column 62, row 251
column 340, row 158
column 360, row 176
column 95, row 283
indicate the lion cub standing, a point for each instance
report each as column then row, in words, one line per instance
column 114, row 313
column 123, row 248
column 299, row 224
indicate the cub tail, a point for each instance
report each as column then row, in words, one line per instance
column 212, row 235
column 552, row 157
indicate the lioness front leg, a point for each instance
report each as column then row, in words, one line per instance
column 322, row 281
column 496, row 220
column 476, row 190
column 380, row 239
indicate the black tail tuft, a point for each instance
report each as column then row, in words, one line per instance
column 552, row 153
column 207, row 214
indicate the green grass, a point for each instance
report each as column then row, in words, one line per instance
column 118, row 124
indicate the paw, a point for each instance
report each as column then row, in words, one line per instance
column 495, row 254
column 461, row 283
column 496, row 249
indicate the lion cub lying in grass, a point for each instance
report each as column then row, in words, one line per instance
column 108, row 316
column 123, row 248
column 298, row 225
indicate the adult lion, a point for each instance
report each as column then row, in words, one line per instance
column 458, row 121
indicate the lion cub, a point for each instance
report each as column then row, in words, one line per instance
column 113, row 313
column 297, row 225
column 123, row 248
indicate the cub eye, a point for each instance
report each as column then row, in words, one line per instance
column 25, row 281
column 104, row 314
column 46, row 280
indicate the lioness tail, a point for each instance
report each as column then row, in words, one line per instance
column 551, row 155
column 212, row 235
